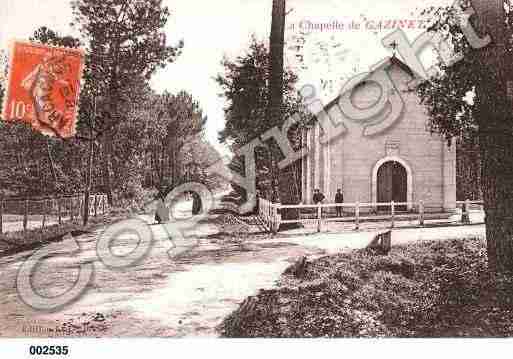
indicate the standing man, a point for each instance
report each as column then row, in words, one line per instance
column 196, row 204
column 318, row 197
column 339, row 198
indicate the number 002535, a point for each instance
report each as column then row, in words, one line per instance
column 48, row 350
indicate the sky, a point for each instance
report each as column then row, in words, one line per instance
column 213, row 29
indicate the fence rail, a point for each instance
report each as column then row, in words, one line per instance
column 271, row 213
column 22, row 214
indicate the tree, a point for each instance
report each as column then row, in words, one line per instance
column 47, row 36
column 482, row 75
column 244, row 85
column 275, row 102
column 33, row 163
column 127, row 44
column 468, row 169
column 196, row 156
column 179, row 121
column 495, row 120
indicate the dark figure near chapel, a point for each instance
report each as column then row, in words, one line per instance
column 196, row 204
column 339, row 198
column 318, row 197
column 161, row 206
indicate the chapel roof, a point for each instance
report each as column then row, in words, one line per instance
column 386, row 63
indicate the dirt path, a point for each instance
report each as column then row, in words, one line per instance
column 17, row 226
column 160, row 296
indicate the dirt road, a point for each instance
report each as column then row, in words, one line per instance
column 184, row 296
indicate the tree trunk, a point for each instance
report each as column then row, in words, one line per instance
column 275, row 102
column 497, row 177
column 114, row 98
column 52, row 164
column 107, row 150
column 89, row 174
column 493, row 113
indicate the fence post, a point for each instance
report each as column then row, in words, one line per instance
column 1, row 215
column 319, row 217
column 278, row 217
column 357, row 215
column 78, row 205
column 265, row 213
column 421, row 213
column 268, row 215
column 103, row 205
column 270, row 211
column 392, row 206
column 465, row 215
column 96, row 205
column 45, row 206
column 59, row 210
column 71, row 209
column 271, row 215
column 274, row 226
column 25, row 215
column 79, row 209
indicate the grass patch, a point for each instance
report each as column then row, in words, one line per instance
column 426, row 289
column 15, row 242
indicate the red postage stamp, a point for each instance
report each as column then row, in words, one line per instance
column 44, row 87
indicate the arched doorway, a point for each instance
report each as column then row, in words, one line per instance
column 392, row 185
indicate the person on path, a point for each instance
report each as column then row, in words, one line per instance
column 339, row 199
column 162, row 211
column 197, row 206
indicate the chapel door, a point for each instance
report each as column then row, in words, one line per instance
column 392, row 185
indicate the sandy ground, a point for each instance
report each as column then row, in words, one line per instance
column 186, row 296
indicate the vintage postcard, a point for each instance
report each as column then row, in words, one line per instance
column 304, row 172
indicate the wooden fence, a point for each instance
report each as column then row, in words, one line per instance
column 270, row 213
column 33, row 213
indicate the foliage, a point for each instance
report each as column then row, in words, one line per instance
column 126, row 40
column 126, row 44
column 34, row 164
column 179, row 121
column 136, row 135
column 45, row 35
column 450, row 96
column 471, row 99
column 468, row 170
column 245, row 89
column 429, row 289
